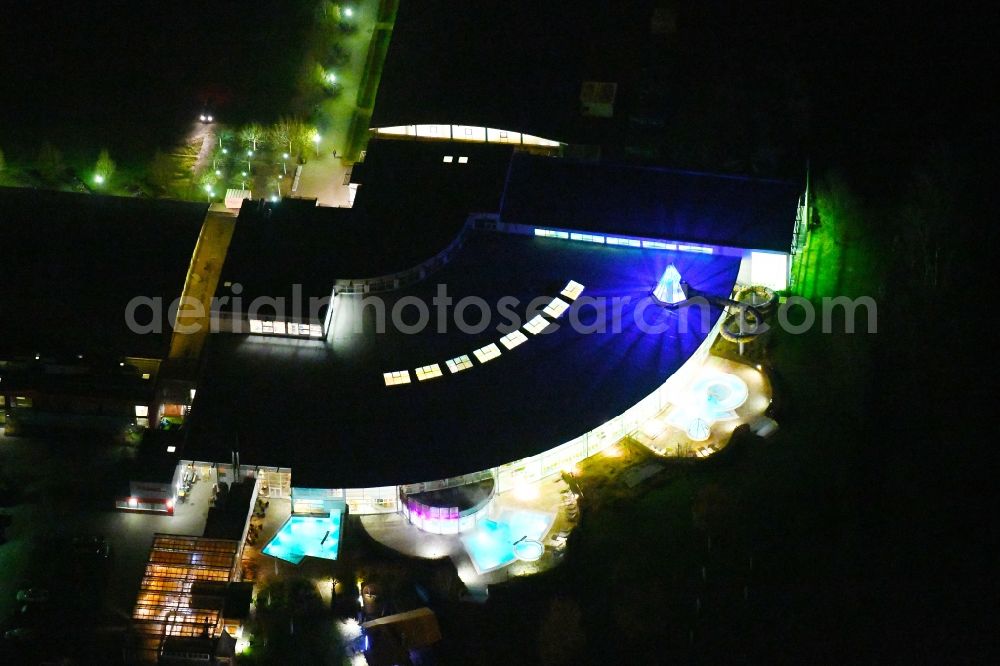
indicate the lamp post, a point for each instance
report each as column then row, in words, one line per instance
column 244, row 181
column 249, row 155
column 209, row 192
column 284, row 163
column 316, row 139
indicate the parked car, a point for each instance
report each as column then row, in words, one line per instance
column 33, row 595
column 94, row 546
column 20, row 634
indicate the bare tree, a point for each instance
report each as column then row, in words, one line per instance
column 50, row 162
column 105, row 167
column 251, row 134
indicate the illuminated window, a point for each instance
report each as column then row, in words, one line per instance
column 448, row 159
column 572, row 291
column 695, row 248
column 589, row 238
column 503, row 134
column 463, row 160
column 396, row 377
column 459, row 363
column 171, row 448
column 293, row 328
column 428, row 372
column 627, row 242
column 256, row 326
column 279, row 327
column 315, row 331
column 513, row 339
column 537, row 324
column 556, row 308
column 549, row 233
column 487, row 353
column 141, row 410
column 468, row 131
column 267, row 326
column 658, row 245
column 146, row 375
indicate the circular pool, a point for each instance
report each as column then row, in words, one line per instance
column 528, row 550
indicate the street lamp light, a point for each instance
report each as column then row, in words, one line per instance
column 284, row 163
column 348, row 12
column 316, row 139
column 249, row 155
column 99, row 179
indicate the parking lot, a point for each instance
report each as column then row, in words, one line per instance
column 66, row 493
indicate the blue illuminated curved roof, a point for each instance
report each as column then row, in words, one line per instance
column 325, row 411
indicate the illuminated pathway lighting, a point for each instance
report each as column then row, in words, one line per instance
column 572, row 291
column 513, row 339
column 428, row 372
column 668, row 289
column 537, row 324
column 556, row 308
column 459, row 363
column 396, row 377
column 487, row 353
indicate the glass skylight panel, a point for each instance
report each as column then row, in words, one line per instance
column 487, row 353
column 658, row 245
column 572, row 291
column 626, row 242
column 537, row 324
column 513, row 339
column 428, row 372
column 459, row 363
column 556, row 308
column 700, row 249
column 550, row 233
column 396, row 377
column 590, row 238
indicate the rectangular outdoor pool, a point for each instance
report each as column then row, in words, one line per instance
column 301, row 536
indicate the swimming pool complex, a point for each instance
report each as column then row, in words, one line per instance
column 301, row 536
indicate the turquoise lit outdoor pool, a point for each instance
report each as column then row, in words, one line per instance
column 492, row 544
column 315, row 536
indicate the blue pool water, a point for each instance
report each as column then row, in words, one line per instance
column 301, row 536
column 491, row 544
